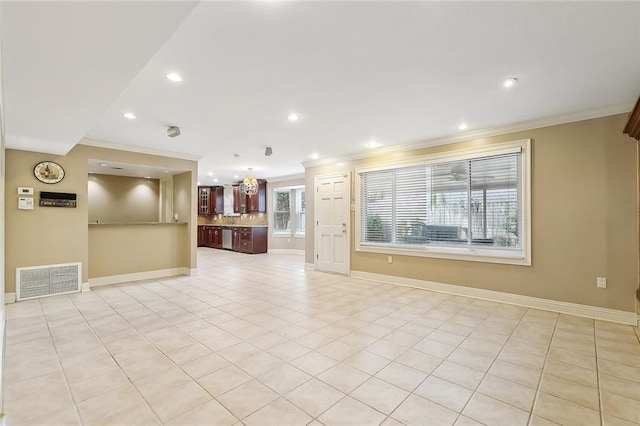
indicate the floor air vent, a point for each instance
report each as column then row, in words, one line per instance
column 48, row 280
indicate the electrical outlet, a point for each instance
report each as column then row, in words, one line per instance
column 601, row 282
column 389, row 259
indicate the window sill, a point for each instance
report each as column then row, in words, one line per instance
column 281, row 234
column 469, row 254
column 299, row 235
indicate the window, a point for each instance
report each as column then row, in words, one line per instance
column 281, row 211
column 470, row 205
column 299, row 193
column 289, row 211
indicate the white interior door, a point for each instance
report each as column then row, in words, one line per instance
column 332, row 201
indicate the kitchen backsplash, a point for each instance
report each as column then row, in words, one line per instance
column 244, row 219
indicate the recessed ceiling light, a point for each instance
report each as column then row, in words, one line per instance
column 174, row 77
column 373, row 144
column 165, row 171
column 463, row 126
column 129, row 115
column 210, row 173
column 314, row 156
column 198, row 183
column 104, row 164
column 510, row 82
column 215, row 180
column 236, row 177
column 293, row 117
column 147, row 177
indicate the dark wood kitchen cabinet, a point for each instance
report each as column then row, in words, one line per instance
column 210, row 200
column 252, row 240
column 256, row 203
column 202, row 236
column 215, row 237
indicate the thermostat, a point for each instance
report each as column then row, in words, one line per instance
column 25, row 203
column 25, row 191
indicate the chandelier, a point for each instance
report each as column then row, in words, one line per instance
column 250, row 185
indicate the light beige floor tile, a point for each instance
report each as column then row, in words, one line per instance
column 66, row 416
column 366, row 361
column 570, row 391
column 402, row 376
column 620, row 406
column 337, row 350
column 109, row 404
column 419, row 360
column 459, row 374
column 609, row 420
column 284, row 379
column 387, row 349
column 466, row 421
column 525, row 376
column 289, row 351
column 178, row 401
column 139, row 415
column 433, row 347
column 314, row 397
column 188, row 353
column 493, row 412
column 260, row 364
column 541, row 421
column 343, row 377
column 418, row 411
column 90, row 368
column 279, row 412
column 572, row 373
column 509, row 392
column 349, row 411
column 525, row 359
column 380, row 395
column 98, row 384
column 40, row 384
column 157, row 385
column 148, row 367
column 239, row 352
column 564, row 412
column 626, row 388
column 43, row 401
column 445, row 393
column 202, row 366
column 209, row 413
column 314, row 363
column 477, row 361
column 223, row 380
column 247, row 398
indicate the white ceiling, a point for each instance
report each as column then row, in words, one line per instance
column 401, row 73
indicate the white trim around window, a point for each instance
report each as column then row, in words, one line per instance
column 295, row 211
column 385, row 198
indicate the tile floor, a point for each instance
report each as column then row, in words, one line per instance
column 256, row 340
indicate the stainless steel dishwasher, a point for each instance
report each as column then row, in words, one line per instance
column 227, row 238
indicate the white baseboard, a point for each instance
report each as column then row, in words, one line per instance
column 588, row 311
column 190, row 271
column 85, row 287
column 136, row 276
column 9, row 298
column 309, row 266
column 286, row 251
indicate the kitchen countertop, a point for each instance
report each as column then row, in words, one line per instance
column 135, row 223
column 236, row 226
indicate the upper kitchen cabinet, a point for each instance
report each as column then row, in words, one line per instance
column 210, row 200
column 255, row 203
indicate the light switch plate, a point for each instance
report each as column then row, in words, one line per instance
column 23, row 190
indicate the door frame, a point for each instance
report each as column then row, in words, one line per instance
column 316, row 240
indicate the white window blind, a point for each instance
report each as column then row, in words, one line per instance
column 474, row 202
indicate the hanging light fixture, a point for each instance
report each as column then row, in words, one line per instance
column 250, row 184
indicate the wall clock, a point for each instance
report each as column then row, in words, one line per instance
column 48, row 172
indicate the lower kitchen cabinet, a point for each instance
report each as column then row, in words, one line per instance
column 245, row 239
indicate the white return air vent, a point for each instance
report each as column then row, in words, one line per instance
column 48, row 280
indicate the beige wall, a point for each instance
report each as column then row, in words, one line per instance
column 48, row 235
column 123, row 199
column 185, row 201
column 292, row 242
column 125, row 249
column 584, row 220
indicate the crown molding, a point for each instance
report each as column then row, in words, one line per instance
column 138, row 149
column 275, row 179
column 477, row 134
